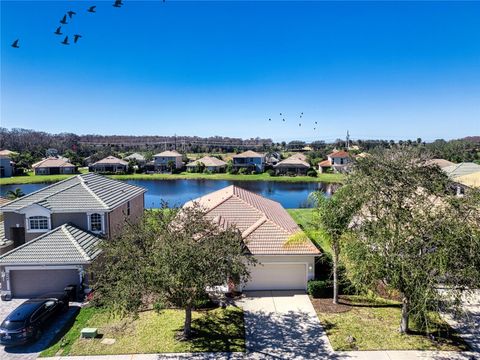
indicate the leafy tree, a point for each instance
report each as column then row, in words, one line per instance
column 171, row 165
column 335, row 214
column 413, row 234
column 15, row 194
column 171, row 257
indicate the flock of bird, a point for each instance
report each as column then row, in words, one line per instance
column 300, row 117
column 65, row 20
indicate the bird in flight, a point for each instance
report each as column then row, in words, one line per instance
column 283, row 120
column 118, row 3
column 92, row 9
column 15, row 44
column 71, row 13
column 65, row 41
column 76, row 37
column 269, row 119
column 58, row 31
column 300, row 124
column 64, row 20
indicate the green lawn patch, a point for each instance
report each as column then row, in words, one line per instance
column 374, row 324
column 306, row 219
column 215, row 330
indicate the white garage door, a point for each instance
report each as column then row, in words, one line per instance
column 278, row 277
column 30, row 283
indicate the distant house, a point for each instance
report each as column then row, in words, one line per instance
column 138, row 158
column 110, row 164
column 6, row 164
column 273, row 158
column 250, row 160
column 293, row 165
column 53, row 166
column 211, row 164
column 163, row 160
column 464, row 175
column 337, row 162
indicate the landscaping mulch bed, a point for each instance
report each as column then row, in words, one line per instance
column 325, row 305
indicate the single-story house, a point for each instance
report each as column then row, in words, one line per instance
column 441, row 163
column 461, row 169
column 270, row 234
column 110, row 164
column 165, row 160
column 53, row 166
column 292, row 165
column 210, row 163
column 49, row 262
column 471, row 180
column 250, row 160
column 138, row 158
column 337, row 161
column 6, row 164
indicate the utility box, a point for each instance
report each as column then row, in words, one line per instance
column 88, row 333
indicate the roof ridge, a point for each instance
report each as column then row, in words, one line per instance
column 254, row 226
column 84, row 184
column 74, row 242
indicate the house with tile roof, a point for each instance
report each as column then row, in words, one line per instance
column 337, row 162
column 110, row 164
column 6, row 163
column 286, row 255
column 250, row 160
column 87, row 203
column 293, row 165
column 162, row 161
column 53, row 166
column 210, row 163
column 138, row 158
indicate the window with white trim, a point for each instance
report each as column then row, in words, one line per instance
column 96, row 222
column 38, row 223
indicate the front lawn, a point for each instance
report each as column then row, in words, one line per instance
column 374, row 324
column 215, row 330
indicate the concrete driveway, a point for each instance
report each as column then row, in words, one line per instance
column 283, row 325
column 31, row 351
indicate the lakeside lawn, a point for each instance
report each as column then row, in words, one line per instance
column 215, row 330
column 31, row 178
column 374, row 324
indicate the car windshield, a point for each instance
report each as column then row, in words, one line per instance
column 22, row 312
column 12, row 325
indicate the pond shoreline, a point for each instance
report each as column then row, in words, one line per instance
column 38, row 179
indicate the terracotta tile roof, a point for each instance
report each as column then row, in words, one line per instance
column 248, row 154
column 340, row 154
column 208, row 161
column 52, row 162
column 111, row 160
column 7, row 153
column 265, row 225
column 325, row 163
column 168, row 153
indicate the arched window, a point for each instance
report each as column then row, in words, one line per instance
column 38, row 222
column 96, row 222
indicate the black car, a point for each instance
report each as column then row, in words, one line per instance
column 25, row 323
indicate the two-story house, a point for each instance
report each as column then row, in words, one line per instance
column 55, row 231
column 167, row 160
column 337, row 162
column 250, row 160
column 6, row 165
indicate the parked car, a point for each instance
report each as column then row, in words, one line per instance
column 26, row 322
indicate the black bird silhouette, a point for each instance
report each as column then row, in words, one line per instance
column 315, row 122
column 283, row 119
column 64, row 20
column 118, row 3
column 76, row 37
column 314, row 128
column 71, row 13
column 280, row 114
column 92, row 9
column 15, row 44
column 300, row 124
column 58, row 31
column 65, row 41
column 269, row 119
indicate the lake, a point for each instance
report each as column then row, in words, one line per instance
column 177, row 192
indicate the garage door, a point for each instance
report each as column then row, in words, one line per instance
column 278, row 277
column 29, row 283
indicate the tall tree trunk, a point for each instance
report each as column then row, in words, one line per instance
column 187, row 330
column 335, row 272
column 404, row 321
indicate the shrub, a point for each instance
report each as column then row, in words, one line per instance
column 319, row 288
column 271, row 172
column 312, row 172
column 243, row 171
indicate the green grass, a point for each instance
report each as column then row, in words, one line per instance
column 306, row 219
column 215, row 330
column 30, row 178
column 374, row 324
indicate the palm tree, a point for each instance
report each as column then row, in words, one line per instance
column 15, row 194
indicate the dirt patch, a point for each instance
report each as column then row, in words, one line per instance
column 325, row 305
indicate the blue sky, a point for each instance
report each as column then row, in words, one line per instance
column 390, row 70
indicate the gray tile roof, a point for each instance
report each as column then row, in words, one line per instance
column 79, row 193
column 65, row 244
column 465, row 168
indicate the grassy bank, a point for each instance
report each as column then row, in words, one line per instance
column 30, row 178
column 215, row 330
column 306, row 219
